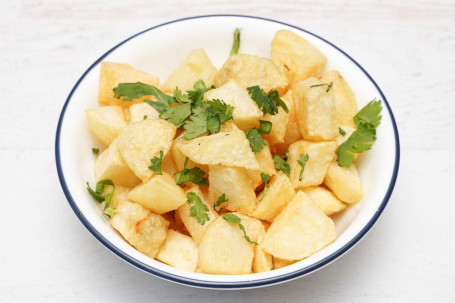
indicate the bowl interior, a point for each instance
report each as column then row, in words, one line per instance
column 158, row 51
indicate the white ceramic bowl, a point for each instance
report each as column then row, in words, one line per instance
column 158, row 50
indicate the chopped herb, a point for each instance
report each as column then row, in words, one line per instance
column 97, row 194
column 341, row 131
column 156, row 163
column 145, row 117
column 199, row 210
column 220, row 200
column 265, row 127
column 303, row 159
column 265, row 178
column 256, row 141
column 329, row 85
column 95, row 151
column 235, row 43
column 268, row 103
column 281, row 164
column 195, row 175
column 231, row 218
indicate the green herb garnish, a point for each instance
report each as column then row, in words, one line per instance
column 231, row 218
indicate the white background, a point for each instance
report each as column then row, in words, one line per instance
column 46, row 255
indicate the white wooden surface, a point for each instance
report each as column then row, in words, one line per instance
column 46, row 255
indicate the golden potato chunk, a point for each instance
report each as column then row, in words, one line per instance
column 266, row 165
column 299, row 231
column 324, row 199
column 110, row 165
column 346, row 105
column 296, row 57
column 224, row 148
column 262, row 261
column 246, row 113
column 111, row 74
column 196, row 229
column 141, row 111
column 120, row 193
column 224, row 250
column 250, row 70
column 143, row 229
column 179, row 251
column 168, row 165
column 280, row 191
column 179, row 157
column 279, row 123
column 320, row 155
column 344, row 182
column 280, row 263
column 196, row 66
column 315, row 110
column 105, row 122
column 141, row 141
column 160, row 194
column 233, row 182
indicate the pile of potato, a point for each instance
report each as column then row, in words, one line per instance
column 291, row 222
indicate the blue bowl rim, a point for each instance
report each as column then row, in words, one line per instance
column 213, row 284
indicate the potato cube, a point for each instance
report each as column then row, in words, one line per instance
column 105, row 122
column 246, row 113
column 299, row 231
column 110, row 165
column 320, row 155
column 224, row 148
column 111, row 74
column 160, row 194
column 168, row 165
column 120, row 194
column 344, row 182
column 179, row 251
column 253, row 227
column 142, row 110
column 179, row 157
column 315, row 109
column 233, row 182
column 296, row 57
column 346, row 105
column 324, row 199
column 266, row 165
column 143, row 229
column 224, row 250
column 280, row 191
column 250, row 70
column 280, row 263
column 262, row 261
column 279, row 123
column 141, row 141
column 196, row 229
column 194, row 67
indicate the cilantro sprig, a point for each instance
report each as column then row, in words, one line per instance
column 156, row 163
column 195, row 175
column 281, row 164
column 99, row 197
column 362, row 139
column 231, row 218
column 198, row 210
column 254, row 135
column 235, row 43
column 268, row 103
column 265, row 178
column 221, row 200
column 302, row 161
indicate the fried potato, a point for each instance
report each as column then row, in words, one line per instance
column 160, row 194
column 346, row 105
column 299, row 231
column 141, row 141
column 315, row 110
column 249, row 70
column 168, row 165
column 280, row 263
column 324, row 199
column 196, row 229
column 266, row 165
column 224, row 250
column 111, row 74
column 279, row 123
column 142, row 111
column 179, row 157
column 194, row 67
column 110, row 165
column 179, row 251
column 262, row 261
column 105, row 122
column 246, row 113
column 296, row 57
column 233, row 182
column 223, row 148
column 292, row 133
column 344, row 182
column 280, row 191
column 143, row 229
column 320, row 155
column 120, row 193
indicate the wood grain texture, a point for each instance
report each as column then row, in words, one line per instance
column 407, row 46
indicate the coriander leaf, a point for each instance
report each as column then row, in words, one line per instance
column 198, row 210
column 197, row 125
column 369, row 115
column 131, row 91
column 235, row 43
column 265, row 127
column 275, row 97
column 177, row 115
column 97, row 194
column 256, row 141
column 213, row 123
column 231, row 218
column 341, row 131
column 145, row 117
column 102, row 184
column 265, row 178
column 268, row 103
column 180, row 97
column 329, row 86
column 282, row 165
column 95, row 151
column 303, row 159
column 156, row 163
column 195, row 96
column 222, row 110
column 195, row 175
column 220, row 200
